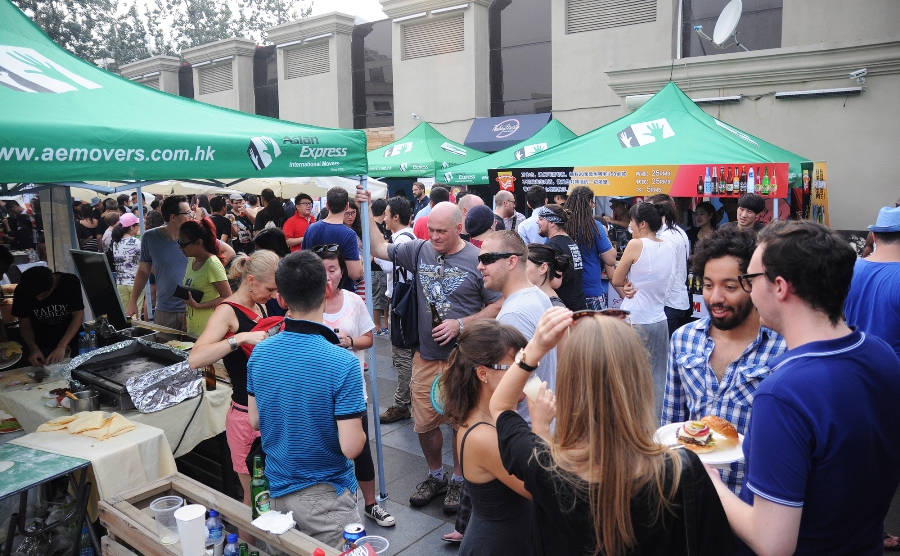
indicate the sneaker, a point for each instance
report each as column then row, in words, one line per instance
column 381, row 332
column 451, row 501
column 428, row 490
column 393, row 414
column 380, row 516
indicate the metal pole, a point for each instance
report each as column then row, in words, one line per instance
column 373, row 368
column 141, row 221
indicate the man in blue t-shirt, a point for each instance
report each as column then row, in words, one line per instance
column 873, row 304
column 823, row 447
column 333, row 231
column 305, row 396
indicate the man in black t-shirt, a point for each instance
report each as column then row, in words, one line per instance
column 242, row 231
column 551, row 225
column 223, row 224
column 50, row 311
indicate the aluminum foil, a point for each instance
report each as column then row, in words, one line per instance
column 164, row 388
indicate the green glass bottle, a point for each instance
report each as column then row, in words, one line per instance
column 243, row 549
column 259, row 489
column 254, row 553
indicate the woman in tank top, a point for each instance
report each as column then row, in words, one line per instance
column 644, row 272
column 501, row 507
column 228, row 328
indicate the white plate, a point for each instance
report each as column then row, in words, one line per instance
column 665, row 435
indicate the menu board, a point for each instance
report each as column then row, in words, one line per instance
column 678, row 180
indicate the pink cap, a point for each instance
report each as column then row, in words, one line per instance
column 128, row 220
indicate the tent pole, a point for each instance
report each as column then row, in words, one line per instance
column 373, row 369
column 140, row 195
column 775, row 209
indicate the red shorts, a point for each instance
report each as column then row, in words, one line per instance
column 240, row 436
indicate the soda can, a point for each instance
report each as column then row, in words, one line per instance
column 353, row 533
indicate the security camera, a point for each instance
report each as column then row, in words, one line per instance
column 415, row 117
column 698, row 27
column 858, row 73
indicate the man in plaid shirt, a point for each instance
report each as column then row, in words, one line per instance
column 717, row 363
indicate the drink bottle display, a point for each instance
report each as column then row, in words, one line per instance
column 722, row 180
column 259, row 489
column 751, row 181
column 729, row 184
column 743, row 181
column 715, row 181
column 737, row 181
column 765, row 182
column 707, row 183
column 773, row 185
column 699, row 185
column 806, row 181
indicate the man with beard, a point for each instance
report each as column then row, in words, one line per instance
column 717, row 363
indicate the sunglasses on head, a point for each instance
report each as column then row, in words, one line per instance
column 620, row 314
column 331, row 248
column 491, row 258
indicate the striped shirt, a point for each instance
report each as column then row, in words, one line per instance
column 693, row 391
column 303, row 384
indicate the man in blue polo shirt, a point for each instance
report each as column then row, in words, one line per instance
column 332, row 231
column 305, row 396
column 823, row 447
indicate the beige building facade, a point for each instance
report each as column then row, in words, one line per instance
column 223, row 73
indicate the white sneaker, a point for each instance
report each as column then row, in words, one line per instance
column 380, row 516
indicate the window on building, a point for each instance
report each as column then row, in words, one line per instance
column 265, row 81
column 520, row 57
column 373, row 80
column 759, row 27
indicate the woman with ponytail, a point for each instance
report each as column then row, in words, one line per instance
column 229, row 328
column 501, row 508
column 205, row 272
column 545, row 268
column 644, row 272
column 126, row 254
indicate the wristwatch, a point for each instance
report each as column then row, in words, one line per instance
column 233, row 343
column 461, row 325
column 520, row 361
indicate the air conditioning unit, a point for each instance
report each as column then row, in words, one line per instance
column 719, row 100
column 818, row 93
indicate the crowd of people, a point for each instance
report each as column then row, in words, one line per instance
column 799, row 352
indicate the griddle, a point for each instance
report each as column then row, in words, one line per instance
column 108, row 372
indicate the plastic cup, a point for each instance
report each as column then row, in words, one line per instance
column 191, row 521
column 532, row 385
column 164, row 511
column 378, row 544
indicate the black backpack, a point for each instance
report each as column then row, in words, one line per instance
column 404, row 306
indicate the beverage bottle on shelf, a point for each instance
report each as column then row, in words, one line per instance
column 215, row 528
column 259, row 489
column 743, row 180
column 707, row 183
column 737, row 181
column 729, row 183
column 751, row 181
column 722, row 180
column 773, row 185
column 85, row 548
column 699, row 185
column 715, row 181
column 765, row 182
column 231, row 549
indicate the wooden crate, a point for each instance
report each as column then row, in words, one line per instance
column 129, row 520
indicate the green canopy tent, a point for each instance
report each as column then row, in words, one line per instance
column 423, row 152
column 476, row 172
column 659, row 148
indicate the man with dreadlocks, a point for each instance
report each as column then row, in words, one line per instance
column 596, row 250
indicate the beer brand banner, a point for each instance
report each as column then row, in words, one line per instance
column 818, row 193
column 678, row 180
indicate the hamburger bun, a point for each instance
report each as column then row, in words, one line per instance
column 700, row 449
column 725, row 431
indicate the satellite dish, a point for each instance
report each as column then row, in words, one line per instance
column 727, row 22
column 726, row 26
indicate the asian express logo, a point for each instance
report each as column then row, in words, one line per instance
column 404, row 166
column 448, row 176
column 506, row 128
column 27, row 71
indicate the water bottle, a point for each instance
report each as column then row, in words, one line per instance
column 85, row 548
column 82, row 344
column 214, row 526
column 231, row 549
column 92, row 341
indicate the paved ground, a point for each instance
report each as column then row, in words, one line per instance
column 418, row 531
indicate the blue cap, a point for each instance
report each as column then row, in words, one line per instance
column 213, row 513
column 232, row 537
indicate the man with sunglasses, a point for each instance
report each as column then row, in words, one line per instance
column 505, row 209
column 295, row 227
column 502, row 265
column 452, row 291
column 717, row 363
column 823, row 447
column 161, row 255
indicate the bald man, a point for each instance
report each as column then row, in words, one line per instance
column 452, row 295
column 505, row 208
column 466, row 203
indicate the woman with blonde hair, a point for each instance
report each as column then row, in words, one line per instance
column 600, row 483
column 228, row 329
column 501, row 510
